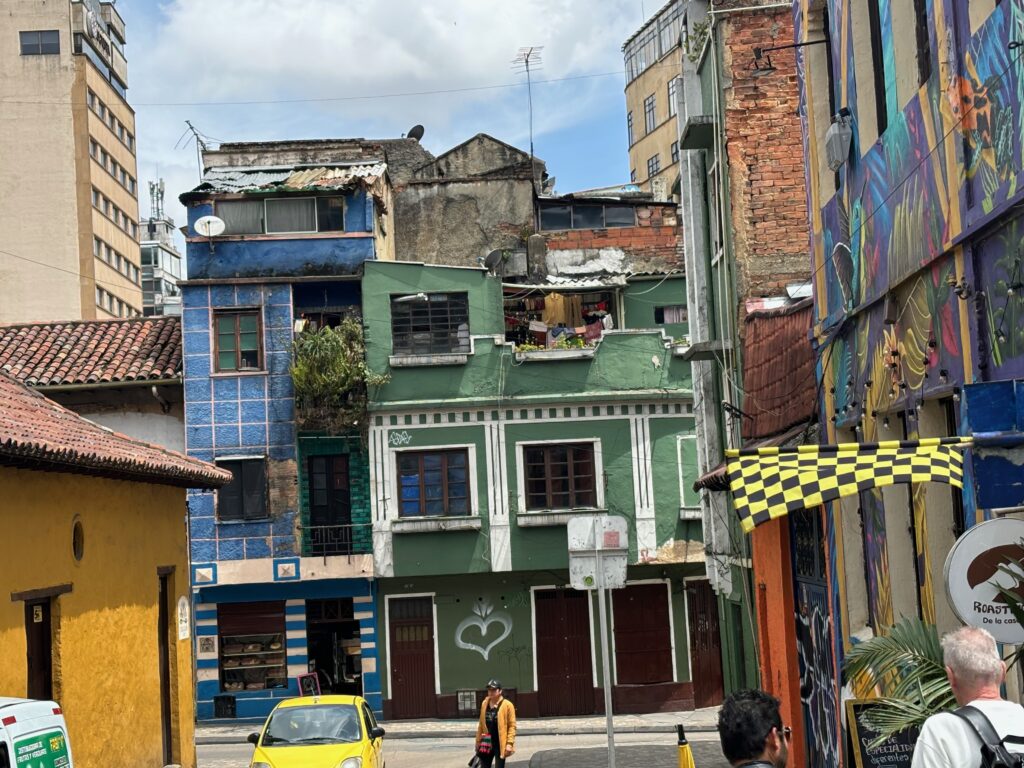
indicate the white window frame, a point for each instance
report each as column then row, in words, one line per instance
column 520, row 447
column 687, row 511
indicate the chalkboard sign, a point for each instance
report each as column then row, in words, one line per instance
column 895, row 752
column 308, row 685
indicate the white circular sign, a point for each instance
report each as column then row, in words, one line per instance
column 975, row 565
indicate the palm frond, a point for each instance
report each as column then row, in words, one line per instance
column 905, row 664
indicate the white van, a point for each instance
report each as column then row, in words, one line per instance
column 33, row 734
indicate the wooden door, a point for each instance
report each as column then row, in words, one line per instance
column 40, row 650
column 163, row 644
column 411, row 656
column 330, row 505
column 705, row 644
column 643, row 638
column 565, row 672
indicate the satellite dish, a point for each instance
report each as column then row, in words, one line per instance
column 415, row 133
column 494, row 259
column 209, row 226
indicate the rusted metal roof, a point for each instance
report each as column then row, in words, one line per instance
column 778, row 370
column 86, row 352
column 235, row 180
column 37, row 433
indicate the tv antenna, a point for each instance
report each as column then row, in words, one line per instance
column 528, row 59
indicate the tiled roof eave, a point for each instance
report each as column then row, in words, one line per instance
column 73, row 462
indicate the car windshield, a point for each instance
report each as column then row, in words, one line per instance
column 321, row 724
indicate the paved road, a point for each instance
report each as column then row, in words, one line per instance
column 580, row 751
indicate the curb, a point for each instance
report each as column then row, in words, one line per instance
column 217, row 739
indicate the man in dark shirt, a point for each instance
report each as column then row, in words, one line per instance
column 750, row 727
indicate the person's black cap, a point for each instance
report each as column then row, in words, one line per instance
column 492, row 683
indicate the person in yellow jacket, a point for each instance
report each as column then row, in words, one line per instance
column 496, row 731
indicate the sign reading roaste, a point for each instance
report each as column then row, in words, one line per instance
column 984, row 557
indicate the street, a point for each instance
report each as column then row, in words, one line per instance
column 567, row 751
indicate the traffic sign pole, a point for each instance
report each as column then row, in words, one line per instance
column 606, row 666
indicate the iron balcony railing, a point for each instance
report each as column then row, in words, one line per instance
column 348, row 539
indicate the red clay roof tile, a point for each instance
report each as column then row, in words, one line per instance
column 92, row 351
column 37, row 433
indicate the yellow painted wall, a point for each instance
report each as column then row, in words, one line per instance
column 106, row 669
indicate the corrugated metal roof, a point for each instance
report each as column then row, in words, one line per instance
column 235, row 180
column 593, row 281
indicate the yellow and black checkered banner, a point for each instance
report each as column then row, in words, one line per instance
column 770, row 482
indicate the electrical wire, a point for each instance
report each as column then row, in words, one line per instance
column 67, row 271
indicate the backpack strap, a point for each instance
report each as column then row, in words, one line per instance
column 981, row 726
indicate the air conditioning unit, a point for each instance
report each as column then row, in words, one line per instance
column 838, row 139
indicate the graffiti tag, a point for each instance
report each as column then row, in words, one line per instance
column 399, row 438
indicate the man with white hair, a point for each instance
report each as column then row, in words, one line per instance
column 975, row 672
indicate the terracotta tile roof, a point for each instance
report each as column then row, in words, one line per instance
column 92, row 351
column 37, row 433
column 778, row 370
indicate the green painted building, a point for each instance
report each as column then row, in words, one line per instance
column 479, row 454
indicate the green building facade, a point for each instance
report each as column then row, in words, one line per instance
column 479, row 455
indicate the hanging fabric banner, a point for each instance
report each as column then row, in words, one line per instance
column 770, row 482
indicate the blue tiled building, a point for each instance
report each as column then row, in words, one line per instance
column 282, row 564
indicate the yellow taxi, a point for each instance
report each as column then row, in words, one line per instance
column 319, row 732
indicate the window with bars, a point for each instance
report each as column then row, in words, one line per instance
column 430, row 324
column 560, row 476
column 649, row 120
column 434, row 483
column 238, row 341
column 245, row 496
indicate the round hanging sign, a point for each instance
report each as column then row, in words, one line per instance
column 986, row 557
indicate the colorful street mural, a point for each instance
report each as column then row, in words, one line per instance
column 918, row 262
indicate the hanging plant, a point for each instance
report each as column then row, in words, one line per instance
column 330, row 377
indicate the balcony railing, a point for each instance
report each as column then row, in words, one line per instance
column 329, row 540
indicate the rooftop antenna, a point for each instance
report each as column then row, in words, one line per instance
column 527, row 59
column 200, row 146
column 156, row 199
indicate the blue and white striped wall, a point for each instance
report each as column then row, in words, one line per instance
column 258, row 704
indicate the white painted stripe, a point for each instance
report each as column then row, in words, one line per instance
column 206, row 606
column 362, row 615
column 203, row 675
column 297, row 669
column 369, row 664
column 293, row 603
column 364, row 599
column 368, row 645
column 206, row 622
column 367, row 631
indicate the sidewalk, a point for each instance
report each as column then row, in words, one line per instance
column 235, row 732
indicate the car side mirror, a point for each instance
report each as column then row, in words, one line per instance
column 253, row 738
column 377, row 733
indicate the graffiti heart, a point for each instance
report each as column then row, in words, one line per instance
column 399, row 438
column 482, row 618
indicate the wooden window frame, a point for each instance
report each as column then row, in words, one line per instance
column 420, row 455
column 573, row 492
column 218, row 313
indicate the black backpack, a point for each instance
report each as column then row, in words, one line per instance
column 994, row 753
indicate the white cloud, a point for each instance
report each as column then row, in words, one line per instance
column 258, row 50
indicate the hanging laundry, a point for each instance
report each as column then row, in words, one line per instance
column 593, row 332
column 606, row 321
column 554, row 310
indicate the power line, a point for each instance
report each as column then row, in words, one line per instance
column 79, row 275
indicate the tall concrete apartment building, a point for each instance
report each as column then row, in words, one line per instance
column 69, row 212
column 653, row 58
column 162, row 266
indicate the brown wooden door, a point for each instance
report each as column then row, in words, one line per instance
column 705, row 644
column 40, row 650
column 565, row 672
column 643, row 640
column 411, row 656
column 163, row 644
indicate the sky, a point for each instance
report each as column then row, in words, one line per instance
column 306, row 68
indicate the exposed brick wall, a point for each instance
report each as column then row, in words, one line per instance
column 654, row 244
column 765, row 150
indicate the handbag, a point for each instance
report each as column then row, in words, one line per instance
column 474, row 762
column 486, row 747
